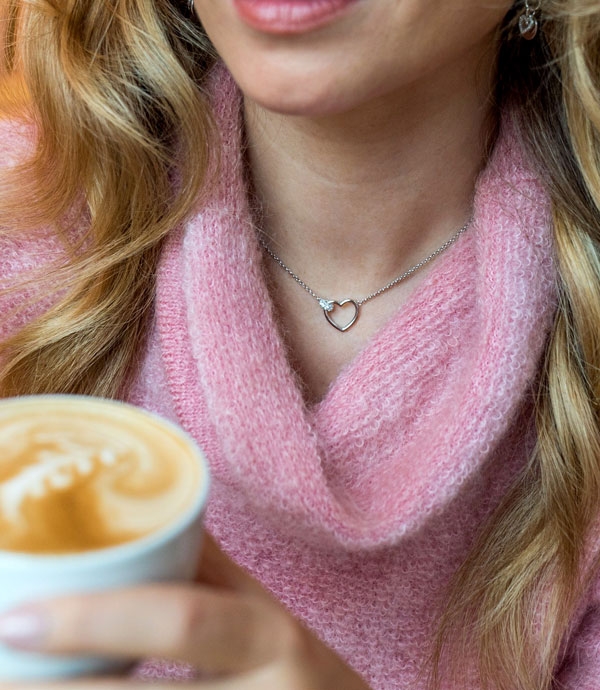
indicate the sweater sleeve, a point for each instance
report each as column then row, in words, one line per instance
column 23, row 253
column 580, row 668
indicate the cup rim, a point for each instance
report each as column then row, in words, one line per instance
column 132, row 549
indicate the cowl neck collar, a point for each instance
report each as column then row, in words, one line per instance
column 417, row 412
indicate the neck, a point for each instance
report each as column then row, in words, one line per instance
column 350, row 200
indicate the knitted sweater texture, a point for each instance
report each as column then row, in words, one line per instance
column 354, row 512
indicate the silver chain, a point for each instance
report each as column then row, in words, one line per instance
column 328, row 305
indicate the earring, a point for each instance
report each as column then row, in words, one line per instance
column 191, row 7
column 528, row 23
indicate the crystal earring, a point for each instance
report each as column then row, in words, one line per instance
column 528, row 23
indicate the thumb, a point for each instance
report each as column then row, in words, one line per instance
column 218, row 570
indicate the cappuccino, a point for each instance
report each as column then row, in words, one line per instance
column 80, row 474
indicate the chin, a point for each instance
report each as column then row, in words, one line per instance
column 300, row 104
column 301, row 92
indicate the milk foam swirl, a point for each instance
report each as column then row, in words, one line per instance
column 76, row 477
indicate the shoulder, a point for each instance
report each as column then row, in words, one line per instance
column 17, row 141
column 26, row 254
column 22, row 247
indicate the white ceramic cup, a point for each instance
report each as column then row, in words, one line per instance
column 170, row 553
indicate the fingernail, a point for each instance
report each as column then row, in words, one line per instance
column 23, row 628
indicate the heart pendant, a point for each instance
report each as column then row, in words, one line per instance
column 329, row 306
column 528, row 26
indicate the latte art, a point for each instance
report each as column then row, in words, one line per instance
column 79, row 479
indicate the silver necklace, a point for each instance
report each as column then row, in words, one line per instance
column 330, row 305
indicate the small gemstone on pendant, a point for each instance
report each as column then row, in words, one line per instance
column 326, row 304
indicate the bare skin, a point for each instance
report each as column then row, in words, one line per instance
column 366, row 138
column 226, row 625
column 348, row 210
column 362, row 166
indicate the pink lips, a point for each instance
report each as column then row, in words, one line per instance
column 289, row 16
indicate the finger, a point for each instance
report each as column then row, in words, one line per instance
column 216, row 630
column 80, row 684
column 106, row 685
column 217, row 569
column 279, row 675
column 272, row 677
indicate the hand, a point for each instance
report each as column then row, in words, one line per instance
column 226, row 625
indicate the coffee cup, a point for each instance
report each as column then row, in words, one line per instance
column 94, row 495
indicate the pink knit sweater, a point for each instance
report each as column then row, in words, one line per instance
column 357, row 511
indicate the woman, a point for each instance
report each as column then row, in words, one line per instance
column 360, row 264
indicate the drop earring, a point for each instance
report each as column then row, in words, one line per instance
column 191, row 7
column 528, row 23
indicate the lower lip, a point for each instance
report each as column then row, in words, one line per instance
column 290, row 16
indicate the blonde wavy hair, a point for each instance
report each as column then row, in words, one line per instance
column 115, row 92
